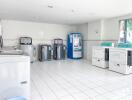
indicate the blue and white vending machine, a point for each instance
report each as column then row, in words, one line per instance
column 74, row 46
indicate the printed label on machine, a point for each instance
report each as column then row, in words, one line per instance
column 77, row 54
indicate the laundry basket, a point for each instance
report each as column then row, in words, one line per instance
column 17, row 98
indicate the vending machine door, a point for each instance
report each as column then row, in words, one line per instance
column 74, row 46
column 77, row 46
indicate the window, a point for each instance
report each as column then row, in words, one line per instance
column 125, row 31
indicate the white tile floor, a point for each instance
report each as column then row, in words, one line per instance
column 77, row 80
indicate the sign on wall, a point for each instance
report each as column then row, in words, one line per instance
column 125, row 31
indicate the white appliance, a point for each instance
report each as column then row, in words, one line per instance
column 100, row 56
column 14, row 76
column 59, row 49
column 120, row 60
column 29, row 50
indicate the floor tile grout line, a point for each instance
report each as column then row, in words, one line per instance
column 51, row 90
column 105, row 92
column 37, row 89
column 40, row 92
column 111, row 91
column 83, row 84
column 81, row 75
column 64, row 88
column 125, row 96
column 77, row 88
column 86, row 86
column 102, row 87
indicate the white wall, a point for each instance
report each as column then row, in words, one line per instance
column 40, row 32
column 92, row 35
column 83, row 28
column 111, row 27
column 103, row 30
column 100, row 31
column 94, row 30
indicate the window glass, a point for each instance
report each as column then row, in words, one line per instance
column 122, row 31
column 129, row 31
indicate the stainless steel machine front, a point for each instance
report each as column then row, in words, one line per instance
column 59, row 50
column 44, row 52
column 27, row 47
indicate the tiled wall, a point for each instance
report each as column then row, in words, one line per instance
column 40, row 32
column 83, row 29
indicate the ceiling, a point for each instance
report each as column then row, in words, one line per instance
column 63, row 11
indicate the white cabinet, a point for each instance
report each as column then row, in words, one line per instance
column 118, row 60
column 14, row 76
column 100, row 56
